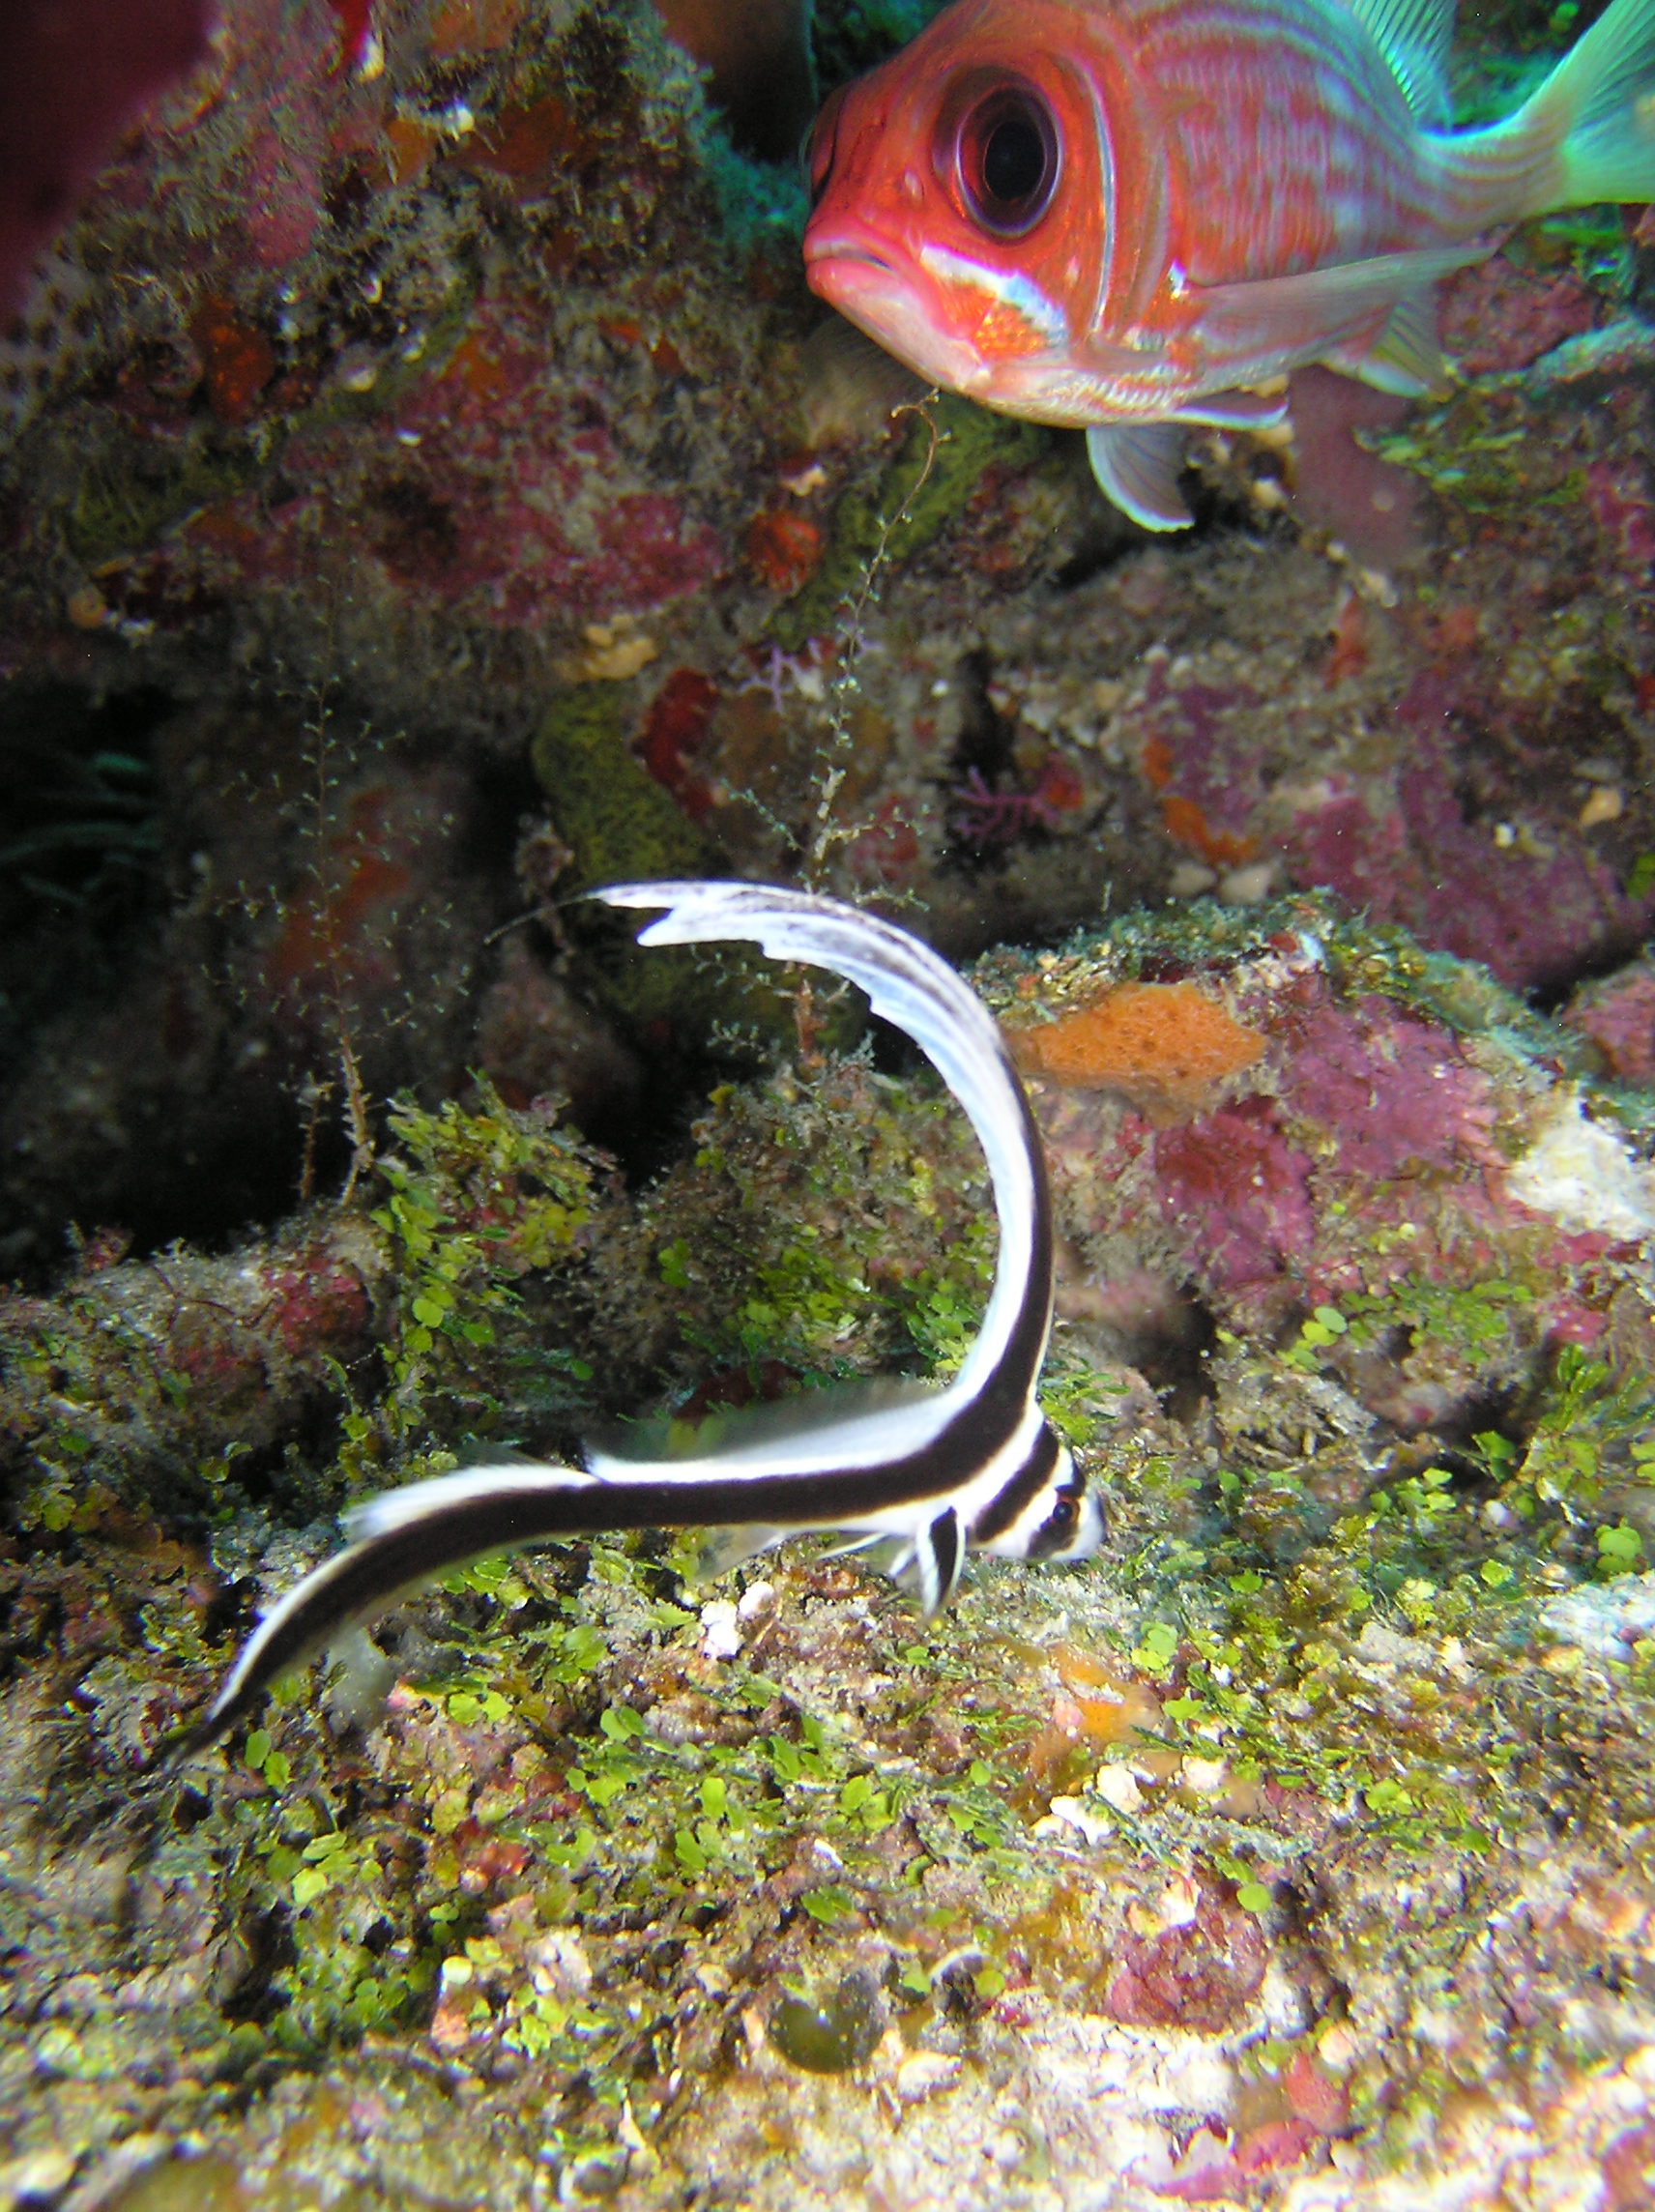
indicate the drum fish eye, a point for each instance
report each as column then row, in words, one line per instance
column 1007, row 159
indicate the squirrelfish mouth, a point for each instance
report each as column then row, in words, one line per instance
column 856, row 255
column 848, row 244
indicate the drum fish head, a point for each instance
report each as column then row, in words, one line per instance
column 962, row 193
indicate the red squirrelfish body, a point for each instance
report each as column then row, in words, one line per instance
column 1123, row 213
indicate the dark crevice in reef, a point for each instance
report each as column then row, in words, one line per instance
column 1606, row 956
column 80, row 884
column 1173, row 1359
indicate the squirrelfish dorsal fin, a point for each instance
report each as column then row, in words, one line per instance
column 1414, row 35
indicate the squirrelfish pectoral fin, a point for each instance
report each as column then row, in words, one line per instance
column 1137, row 467
column 1277, row 319
column 1407, row 360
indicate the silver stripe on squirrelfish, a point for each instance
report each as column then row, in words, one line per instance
column 926, row 1472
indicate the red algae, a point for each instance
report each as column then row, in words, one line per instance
column 237, row 359
column 673, row 730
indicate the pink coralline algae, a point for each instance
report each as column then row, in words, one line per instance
column 1497, row 317
column 1199, row 1975
column 1395, row 1095
column 1618, row 496
column 1197, row 756
column 1425, row 853
column 1370, row 1156
column 499, row 492
column 1619, row 1016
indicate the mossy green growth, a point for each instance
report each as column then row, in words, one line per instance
column 858, row 1238
column 1479, row 448
column 622, row 827
column 127, row 491
column 474, row 1202
column 942, row 454
column 618, row 824
column 1480, row 1322
column 1587, row 1428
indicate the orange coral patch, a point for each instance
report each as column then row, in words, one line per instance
column 235, row 360
column 1157, row 763
column 784, row 548
column 1167, row 1047
column 1186, row 825
column 408, row 147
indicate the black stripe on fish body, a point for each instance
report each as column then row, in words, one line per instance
column 942, row 1555
column 1019, row 1489
column 444, row 1524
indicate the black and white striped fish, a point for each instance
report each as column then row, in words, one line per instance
column 929, row 1472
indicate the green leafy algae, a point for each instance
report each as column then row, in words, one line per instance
column 940, row 459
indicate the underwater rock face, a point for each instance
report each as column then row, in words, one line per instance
column 757, row 55
column 427, row 490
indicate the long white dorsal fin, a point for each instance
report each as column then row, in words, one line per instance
column 1137, row 467
column 1415, row 36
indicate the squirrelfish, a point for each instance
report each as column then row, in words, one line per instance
column 1126, row 214
column 925, row 1473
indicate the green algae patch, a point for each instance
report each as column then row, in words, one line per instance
column 128, row 490
column 620, row 825
column 1480, row 448
column 941, row 456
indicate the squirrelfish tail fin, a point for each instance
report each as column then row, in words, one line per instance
column 1587, row 134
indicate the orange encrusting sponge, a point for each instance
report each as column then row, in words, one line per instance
column 1165, row 1047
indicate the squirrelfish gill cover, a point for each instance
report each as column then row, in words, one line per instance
column 1123, row 213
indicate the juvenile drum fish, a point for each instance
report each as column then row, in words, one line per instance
column 928, row 1472
column 1122, row 214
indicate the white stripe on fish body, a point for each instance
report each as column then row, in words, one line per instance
column 931, row 1471
column 1005, row 288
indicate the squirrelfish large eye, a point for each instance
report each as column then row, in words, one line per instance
column 1006, row 158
